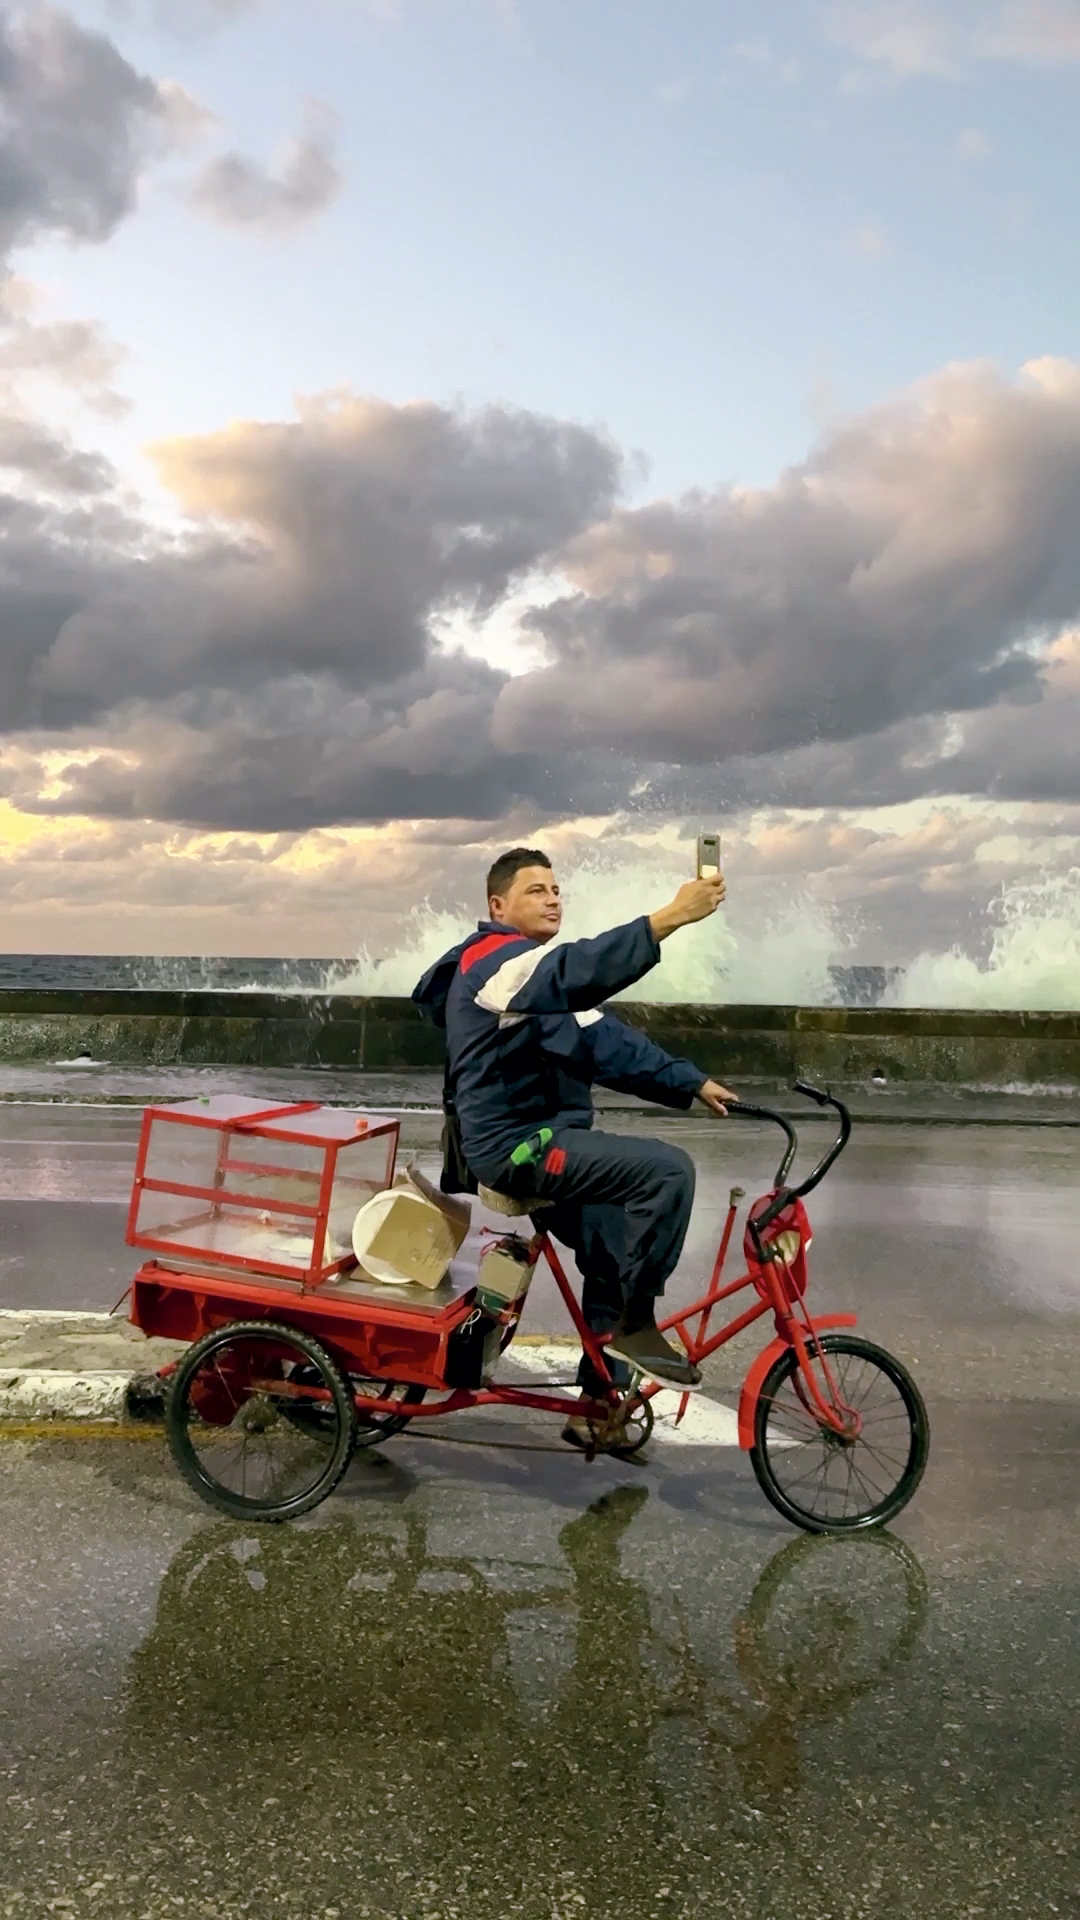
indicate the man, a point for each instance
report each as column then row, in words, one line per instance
column 526, row 1040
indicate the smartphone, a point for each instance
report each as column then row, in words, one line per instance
column 708, row 856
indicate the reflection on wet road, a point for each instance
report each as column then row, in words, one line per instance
column 485, row 1683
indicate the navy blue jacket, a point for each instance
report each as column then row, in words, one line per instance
column 526, row 1040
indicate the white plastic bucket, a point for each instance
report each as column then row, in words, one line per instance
column 427, row 1240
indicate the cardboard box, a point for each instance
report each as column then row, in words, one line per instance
column 409, row 1234
column 504, row 1276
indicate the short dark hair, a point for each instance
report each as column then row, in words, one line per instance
column 507, row 864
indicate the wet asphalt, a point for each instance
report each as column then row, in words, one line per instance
column 488, row 1678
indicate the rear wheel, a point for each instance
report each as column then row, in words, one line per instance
column 260, row 1421
column 839, row 1483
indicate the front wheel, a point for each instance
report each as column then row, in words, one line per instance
column 828, row 1482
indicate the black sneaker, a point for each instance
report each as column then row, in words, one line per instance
column 648, row 1353
column 578, row 1433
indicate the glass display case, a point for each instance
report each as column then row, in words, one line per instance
column 227, row 1182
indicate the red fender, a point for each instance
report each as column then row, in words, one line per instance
column 755, row 1379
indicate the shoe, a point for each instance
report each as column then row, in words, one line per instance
column 578, row 1433
column 648, row 1353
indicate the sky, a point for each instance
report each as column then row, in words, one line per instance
column 429, row 424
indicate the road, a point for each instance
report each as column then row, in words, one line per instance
column 492, row 1680
column 488, row 1679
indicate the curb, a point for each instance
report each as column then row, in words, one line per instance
column 37, row 1394
column 52, row 1393
column 69, row 1365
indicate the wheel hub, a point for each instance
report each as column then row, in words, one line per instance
column 258, row 1416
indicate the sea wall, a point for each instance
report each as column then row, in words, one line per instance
column 130, row 1028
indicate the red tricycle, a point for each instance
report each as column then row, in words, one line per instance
column 298, row 1358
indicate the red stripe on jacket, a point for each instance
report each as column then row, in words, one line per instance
column 489, row 944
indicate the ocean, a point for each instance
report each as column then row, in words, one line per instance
column 852, row 986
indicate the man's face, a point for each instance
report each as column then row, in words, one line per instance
column 531, row 904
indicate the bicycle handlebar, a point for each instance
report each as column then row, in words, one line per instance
column 746, row 1112
column 785, row 1195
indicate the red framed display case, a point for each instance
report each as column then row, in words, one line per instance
column 233, row 1183
column 247, row 1212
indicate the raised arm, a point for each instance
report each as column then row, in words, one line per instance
column 581, row 974
column 570, row 978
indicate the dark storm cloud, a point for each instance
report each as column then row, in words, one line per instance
column 277, row 668
column 78, row 124
column 301, row 753
column 338, row 538
column 905, row 569
column 240, row 192
column 876, row 626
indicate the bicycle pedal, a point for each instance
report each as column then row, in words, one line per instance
column 670, row 1386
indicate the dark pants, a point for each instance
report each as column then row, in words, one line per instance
column 622, row 1206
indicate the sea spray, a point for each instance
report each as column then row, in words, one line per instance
column 1033, row 961
column 780, row 955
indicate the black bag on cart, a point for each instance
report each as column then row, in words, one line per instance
column 455, row 1177
column 465, row 1350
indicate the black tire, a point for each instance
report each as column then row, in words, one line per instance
column 880, row 1468
column 371, row 1428
column 223, row 1416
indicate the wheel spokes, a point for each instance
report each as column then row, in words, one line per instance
column 834, row 1478
column 264, row 1447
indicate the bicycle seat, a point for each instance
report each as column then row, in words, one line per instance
column 502, row 1203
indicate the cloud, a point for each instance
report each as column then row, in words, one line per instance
column 325, row 545
column 905, row 35
column 239, row 192
column 937, row 38
column 1041, row 32
column 182, row 17
column 34, row 451
column 77, row 356
column 278, row 662
column 905, row 569
column 78, row 125
column 301, row 753
column 891, row 619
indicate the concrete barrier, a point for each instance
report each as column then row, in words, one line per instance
column 159, row 1028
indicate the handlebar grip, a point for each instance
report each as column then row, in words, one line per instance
column 812, row 1093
